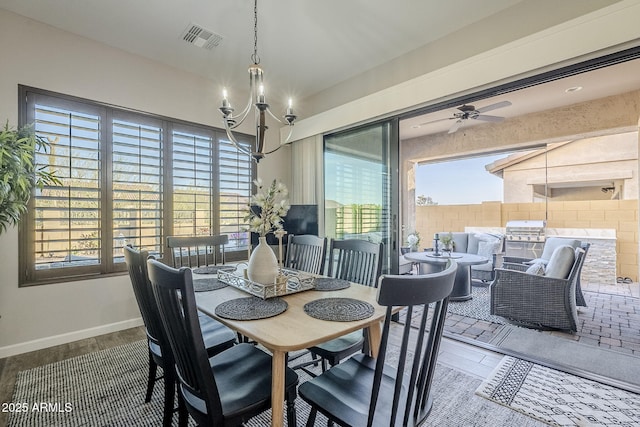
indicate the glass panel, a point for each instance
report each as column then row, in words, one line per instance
column 357, row 186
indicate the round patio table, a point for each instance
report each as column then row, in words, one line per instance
column 430, row 263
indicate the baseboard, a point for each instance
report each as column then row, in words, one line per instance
column 39, row 344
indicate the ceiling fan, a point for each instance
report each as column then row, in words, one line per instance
column 470, row 112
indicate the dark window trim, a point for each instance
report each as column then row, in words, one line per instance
column 107, row 267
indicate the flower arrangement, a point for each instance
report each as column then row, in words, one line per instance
column 273, row 204
column 413, row 240
column 447, row 242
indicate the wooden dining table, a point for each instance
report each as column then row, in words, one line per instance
column 294, row 329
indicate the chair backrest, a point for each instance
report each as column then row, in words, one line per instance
column 574, row 274
column 552, row 243
column 197, row 251
column 137, row 265
column 306, row 253
column 355, row 260
column 173, row 290
column 411, row 400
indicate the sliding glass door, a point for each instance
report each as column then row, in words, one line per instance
column 361, row 187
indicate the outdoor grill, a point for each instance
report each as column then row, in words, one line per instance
column 525, row 238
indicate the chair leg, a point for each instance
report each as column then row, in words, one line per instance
column 291, row 408
column 153, row 369
column 312, row 417
column 183, row 414
column 169, row 396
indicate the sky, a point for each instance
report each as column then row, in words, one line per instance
column 460, row 181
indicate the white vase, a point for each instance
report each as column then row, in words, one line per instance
column 263, row 264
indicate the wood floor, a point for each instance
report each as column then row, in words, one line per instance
column 471, row 360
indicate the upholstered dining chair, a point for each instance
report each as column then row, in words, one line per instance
column 215, row 335
column 363, row 391
column 228, row 388
column 357, row 261
column 307, row 253
column 197, row 251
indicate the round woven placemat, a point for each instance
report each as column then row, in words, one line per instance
column 212, row 269
column 207, row 284
column 339, row 309
column 330, row 284
column 251, row 308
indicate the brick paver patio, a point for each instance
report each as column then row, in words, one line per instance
column 610, row 320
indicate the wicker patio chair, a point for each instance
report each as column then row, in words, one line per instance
column 537, row 301
column 521, row 264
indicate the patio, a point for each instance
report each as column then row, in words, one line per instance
column 611, row 319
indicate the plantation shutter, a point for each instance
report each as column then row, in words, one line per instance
column 137, row 185
column 67, row 229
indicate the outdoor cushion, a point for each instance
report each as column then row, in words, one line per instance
column 487, row 248
column 550, row 246
column 559, row 266
column 537, row 269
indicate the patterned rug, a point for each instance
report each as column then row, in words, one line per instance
column 558, row 398
column 477, row 307
column 106, row 388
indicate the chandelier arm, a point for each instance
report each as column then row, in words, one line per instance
column 240, row 118
column 282, row 144
column 275, row 117
column 274, row 150
column 290, row 133
column 233, row 140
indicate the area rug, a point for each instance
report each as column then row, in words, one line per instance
column 558, row 398
column 106, row 388
column 477, row 307
column 572, row 356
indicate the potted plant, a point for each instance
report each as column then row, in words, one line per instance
column 447, row 242
column 18, row 172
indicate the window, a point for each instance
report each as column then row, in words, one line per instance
column 127, row 178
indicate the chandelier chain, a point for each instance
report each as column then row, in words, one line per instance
column 255, row 58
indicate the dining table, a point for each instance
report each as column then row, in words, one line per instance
column 430, row 262
column 294, row 329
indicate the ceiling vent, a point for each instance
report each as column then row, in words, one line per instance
column 198, row 36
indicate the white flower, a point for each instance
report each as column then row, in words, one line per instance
column 412, row 240
column 271, row 210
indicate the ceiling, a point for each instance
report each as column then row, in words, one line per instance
column 304, row 46
column 608, row 81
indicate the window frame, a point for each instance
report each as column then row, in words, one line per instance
column 29, row 275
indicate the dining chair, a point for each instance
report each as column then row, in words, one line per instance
column 197, row 251
column 357, row 261
column 215, row 335
column 228, row 388
column 307, row 253
column 394, row 388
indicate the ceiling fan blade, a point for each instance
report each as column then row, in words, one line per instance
column 436, row 121
column 487, row 118
column 493, row 106
column 455, row 126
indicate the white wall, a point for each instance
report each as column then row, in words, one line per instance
column 44, row 57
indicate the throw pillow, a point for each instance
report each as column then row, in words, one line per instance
column 537, row 269
column 561, row 262
column 488, row 248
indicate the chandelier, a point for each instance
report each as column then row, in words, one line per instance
column 256, row 103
